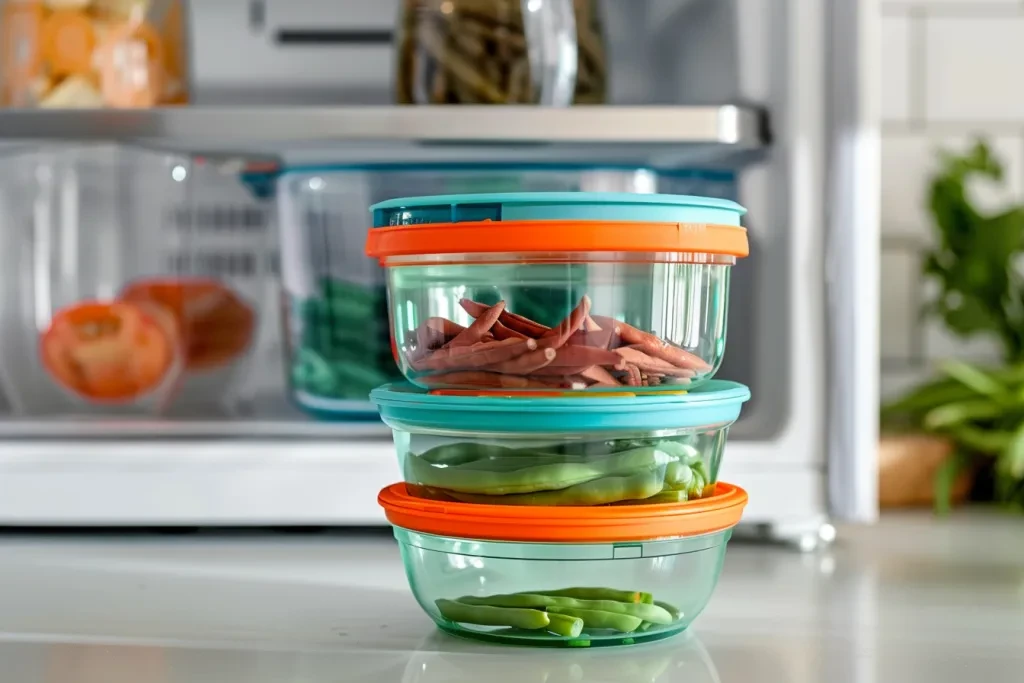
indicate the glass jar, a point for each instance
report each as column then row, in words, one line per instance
column 93, row 53
column 548, row 52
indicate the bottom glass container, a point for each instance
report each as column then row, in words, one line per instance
column 631, row 574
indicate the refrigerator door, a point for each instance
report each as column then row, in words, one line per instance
column 852, row 258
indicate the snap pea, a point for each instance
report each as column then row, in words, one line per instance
column 645, row 612
column 565, row 625
column 595, row 492
column 673, row 611
column 686, row 453
column 540, row 477
column 492, row 616
column 696, row 488
column 596, row 619
column 462, row 453
column 699, row 468
column 588, row 593
column 666, row 496
column 678, row 475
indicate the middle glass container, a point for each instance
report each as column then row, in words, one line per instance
column 555, row 291
column 571, row 450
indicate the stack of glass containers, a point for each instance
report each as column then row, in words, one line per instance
column 560, row 411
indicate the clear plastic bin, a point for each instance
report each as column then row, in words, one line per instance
column 554, row 291
column 76, row 54
column 117, row 298
column 563, row 577
column 561, row 451
column 338, row 344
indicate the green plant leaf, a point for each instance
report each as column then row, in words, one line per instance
column 952, row 414
column 1012, row 460
column 945, row 478
column 927, row 396
column 987, row 441
column 972, row 377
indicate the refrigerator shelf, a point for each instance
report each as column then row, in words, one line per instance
column 659, row 136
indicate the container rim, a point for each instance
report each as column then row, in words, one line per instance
column 523, row 550
column 567, row 524
column 547, row 236
column 560, row 199
column 715, row 405
column 713, row 391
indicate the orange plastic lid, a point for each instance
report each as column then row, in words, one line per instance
column 564, row 524
column 69, row 39
column 497, row 237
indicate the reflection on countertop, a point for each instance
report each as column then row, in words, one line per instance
column 910, row 599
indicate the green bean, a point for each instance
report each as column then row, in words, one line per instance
column 520, row 462
column 642, row 610
column 666, row 496
column 595, row 619
column 492, row 616
column 678, row 475
column 700, row 468
column 696, row 488
column 538, row 478
column 673, row 611
column 586, row 593
column 462, row 453
column 596, row 492
column 685, row 453
column 564, row 625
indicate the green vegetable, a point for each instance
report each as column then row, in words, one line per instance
column 646, row 612
column 595, row 492
column 564, row 625
column 492, row 616
column 584, row 593
column 673, row 611
column 669, row 496
column 569, row 473
column 596, row 619
column 545, row 477
column 339, row 341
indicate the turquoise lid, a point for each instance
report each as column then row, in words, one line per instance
column 405, row 406
column 534, row 206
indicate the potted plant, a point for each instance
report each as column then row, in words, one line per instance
column 978, row 265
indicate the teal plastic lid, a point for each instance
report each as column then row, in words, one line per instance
column 716, row 402
column 529, row 206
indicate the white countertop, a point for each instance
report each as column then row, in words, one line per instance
column 910, row 600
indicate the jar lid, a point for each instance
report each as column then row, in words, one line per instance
column 564, row 524
column 556, row 206
column 556, row 222
column 716, row 402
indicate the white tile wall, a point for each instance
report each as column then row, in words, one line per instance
column 896, row 58
column 951, row 72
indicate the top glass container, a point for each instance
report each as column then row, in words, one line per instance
column 548, row 52
column 558, row 291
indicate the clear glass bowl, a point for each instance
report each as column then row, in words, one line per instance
column 539, row 291
column 565, row 594
column 572, row 451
